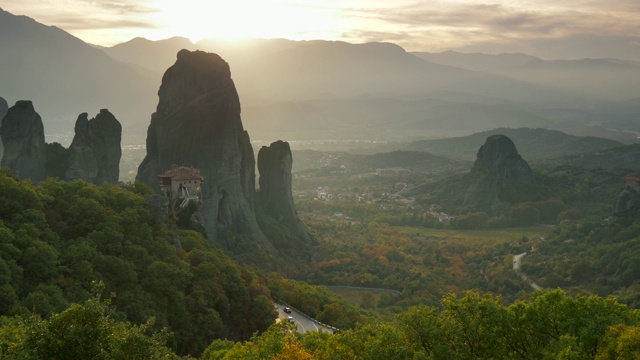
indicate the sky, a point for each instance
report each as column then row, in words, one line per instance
column 545, row 28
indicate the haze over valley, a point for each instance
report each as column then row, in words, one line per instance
column 327, row 90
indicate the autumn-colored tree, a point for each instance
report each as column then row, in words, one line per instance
column 620, row 342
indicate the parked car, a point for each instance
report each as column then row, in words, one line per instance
column 287, row 310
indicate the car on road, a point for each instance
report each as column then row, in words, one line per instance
column 291, row 319
column 287, row 310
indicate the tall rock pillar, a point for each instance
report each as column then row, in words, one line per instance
column 4, row 107
column 95, row 151
column 22, row 135
column 274, row 197
column 197, row 123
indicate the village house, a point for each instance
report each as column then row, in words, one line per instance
column 632, row 183
column 392, row 171
column 182, row 183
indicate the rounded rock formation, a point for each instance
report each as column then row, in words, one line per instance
column 497, row 166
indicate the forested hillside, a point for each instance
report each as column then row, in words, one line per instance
column 57, row 238
column 601, row 256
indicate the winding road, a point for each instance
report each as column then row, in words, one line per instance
column 304, row 323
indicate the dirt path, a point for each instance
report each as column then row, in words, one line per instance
column 516, row 268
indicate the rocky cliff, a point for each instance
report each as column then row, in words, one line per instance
column 94, row 154
column 626, row 200
column 498, row 166
column 275, row 198
column 197, row 123
column 4, row 107
column 22, row 135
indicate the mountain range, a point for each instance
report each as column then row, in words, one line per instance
column 65, row 76
column 532, row 143
column 610, row 79
column 320, row 89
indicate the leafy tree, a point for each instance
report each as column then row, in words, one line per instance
column 377, row 341
column 57, row 160
column 422, row 328
column 217, row 350
column 620, row 342
column 83, row 331
column 474, row 325
column 270, row 344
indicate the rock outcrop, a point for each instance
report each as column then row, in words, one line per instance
column 275, row 198
column 498, row 166
column 629, row 197
column 22, row 135
column 94, row 154
column 626, row 200
column 4, row 107
column 197, row 123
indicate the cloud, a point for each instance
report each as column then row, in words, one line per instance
column 581, row 25
column 495, row 19
column 126, row 7
column 88, row 14
column 540, row 27
column 75, row 23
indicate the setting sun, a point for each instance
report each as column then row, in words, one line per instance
column 198, row 19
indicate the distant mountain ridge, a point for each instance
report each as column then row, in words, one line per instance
column 64, row 76
column 149, row 54
column 622, row 157
column 610, row 79
column 312, row 69
column 331, row 89
column 532, row 143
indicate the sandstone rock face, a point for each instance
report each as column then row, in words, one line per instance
column 498, row 165
column 274, row 197
column 95, row 151
column 22, row 135
column 4, row 107
column 197, row 123
column 626, row 200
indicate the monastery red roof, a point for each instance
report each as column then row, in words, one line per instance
column 182, row 173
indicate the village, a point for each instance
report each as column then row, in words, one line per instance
column 378, row 191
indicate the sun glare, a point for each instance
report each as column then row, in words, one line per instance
column 236, row 19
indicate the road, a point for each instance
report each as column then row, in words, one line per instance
column 516, row 268
column 304, row 324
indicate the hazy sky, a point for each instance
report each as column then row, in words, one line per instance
column 546, row 28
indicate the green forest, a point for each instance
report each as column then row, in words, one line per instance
column 59, row 238
column 101, row 272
